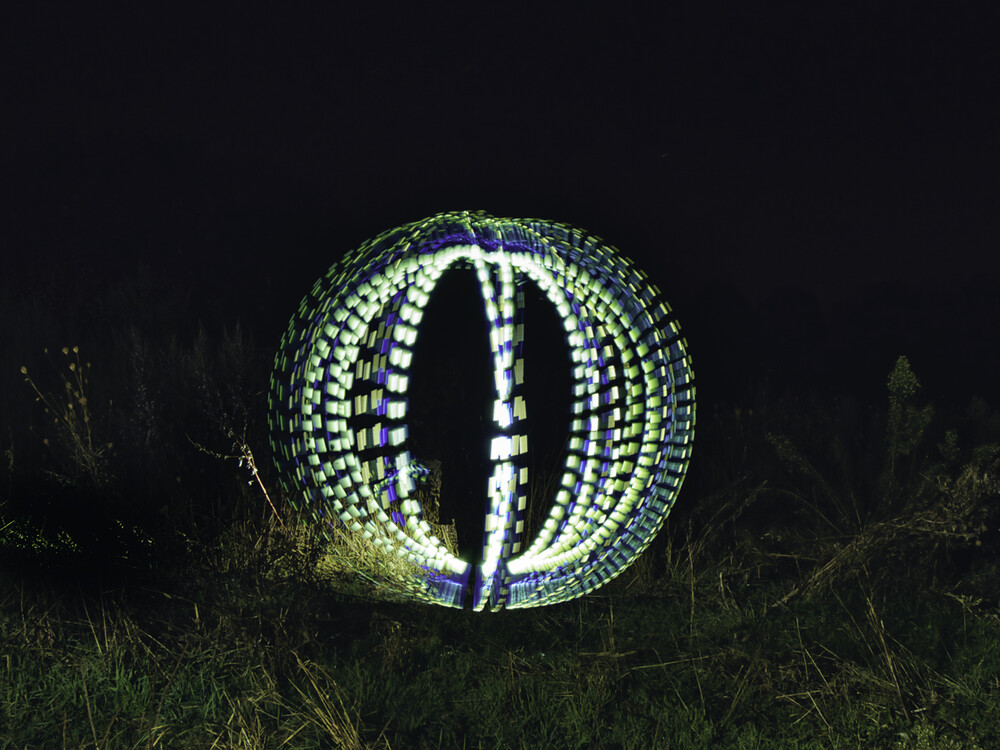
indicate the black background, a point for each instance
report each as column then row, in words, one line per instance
column 813, row 187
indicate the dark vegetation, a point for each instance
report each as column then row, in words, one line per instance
column 829, row 577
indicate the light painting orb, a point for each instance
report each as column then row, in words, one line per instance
column 338, row 406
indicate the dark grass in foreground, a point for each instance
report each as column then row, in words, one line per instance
column 229, row 658
column 829, row 578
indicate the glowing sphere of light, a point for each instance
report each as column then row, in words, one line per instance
column 338, row 406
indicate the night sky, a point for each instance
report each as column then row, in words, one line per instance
column 814, row 191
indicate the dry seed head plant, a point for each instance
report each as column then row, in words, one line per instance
column 70, row 415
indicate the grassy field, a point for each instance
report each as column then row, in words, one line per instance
column 830, row 577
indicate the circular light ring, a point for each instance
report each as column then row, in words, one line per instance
column 337, row 405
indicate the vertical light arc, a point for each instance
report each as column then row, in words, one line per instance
column 507, row 486
column 338, row 404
